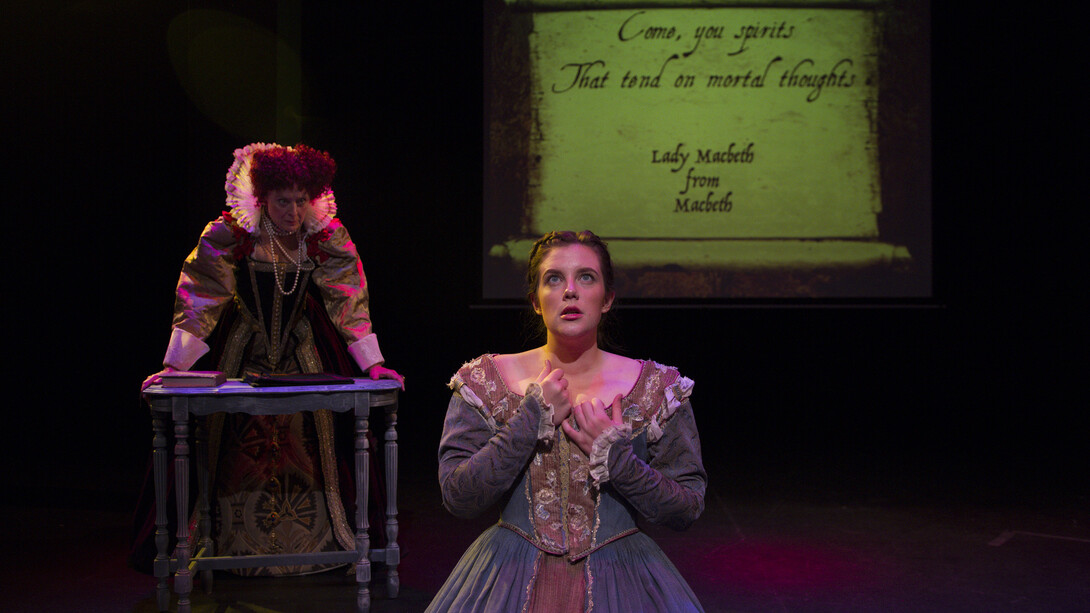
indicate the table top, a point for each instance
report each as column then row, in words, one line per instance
column 236, row 396
column 238, row 387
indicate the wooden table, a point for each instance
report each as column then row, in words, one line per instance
column 179, row 404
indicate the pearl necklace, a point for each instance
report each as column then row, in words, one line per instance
column 298, row 261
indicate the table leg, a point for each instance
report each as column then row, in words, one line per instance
column 183, row 580
column 161, row 564
column 363, row 542
column 393, row 552
column 204, row 516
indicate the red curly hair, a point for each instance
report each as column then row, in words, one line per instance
column 283, row 167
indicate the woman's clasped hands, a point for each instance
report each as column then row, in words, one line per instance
column 583, row 421
column 554, row 389
column 590, row 420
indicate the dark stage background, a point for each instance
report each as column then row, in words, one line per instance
column 112, row 170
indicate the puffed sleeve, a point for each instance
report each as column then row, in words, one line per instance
column 668, row 489
column 343, row 287
column 479, row 461
column 206, row 286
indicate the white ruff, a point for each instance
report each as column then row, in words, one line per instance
column 321, row 212
column 244, row 207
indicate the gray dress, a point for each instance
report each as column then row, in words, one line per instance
column 567, row 538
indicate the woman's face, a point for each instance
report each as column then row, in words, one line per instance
column 571, row 294
column 287, row 208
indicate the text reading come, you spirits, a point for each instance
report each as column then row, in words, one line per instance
column 781, row 71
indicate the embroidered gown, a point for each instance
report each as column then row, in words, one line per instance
column 567, row 538
column 275, row 477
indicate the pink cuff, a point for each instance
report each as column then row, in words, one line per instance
column 184, row 349
column 366, row 352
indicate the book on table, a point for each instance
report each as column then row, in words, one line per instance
column 193, row 378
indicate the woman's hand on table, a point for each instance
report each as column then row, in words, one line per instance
column 157, row 377
column 379, row 371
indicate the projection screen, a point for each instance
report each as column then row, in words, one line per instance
column 722, row 151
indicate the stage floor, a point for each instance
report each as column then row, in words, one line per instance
column 759, row 552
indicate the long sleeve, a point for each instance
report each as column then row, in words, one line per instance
column 343, row 287
column 478, row 465
column 669, row 488
column 206, row 286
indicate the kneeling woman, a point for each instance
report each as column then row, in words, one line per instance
column 575, row 442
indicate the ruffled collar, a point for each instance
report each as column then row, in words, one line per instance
column 244, row 207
